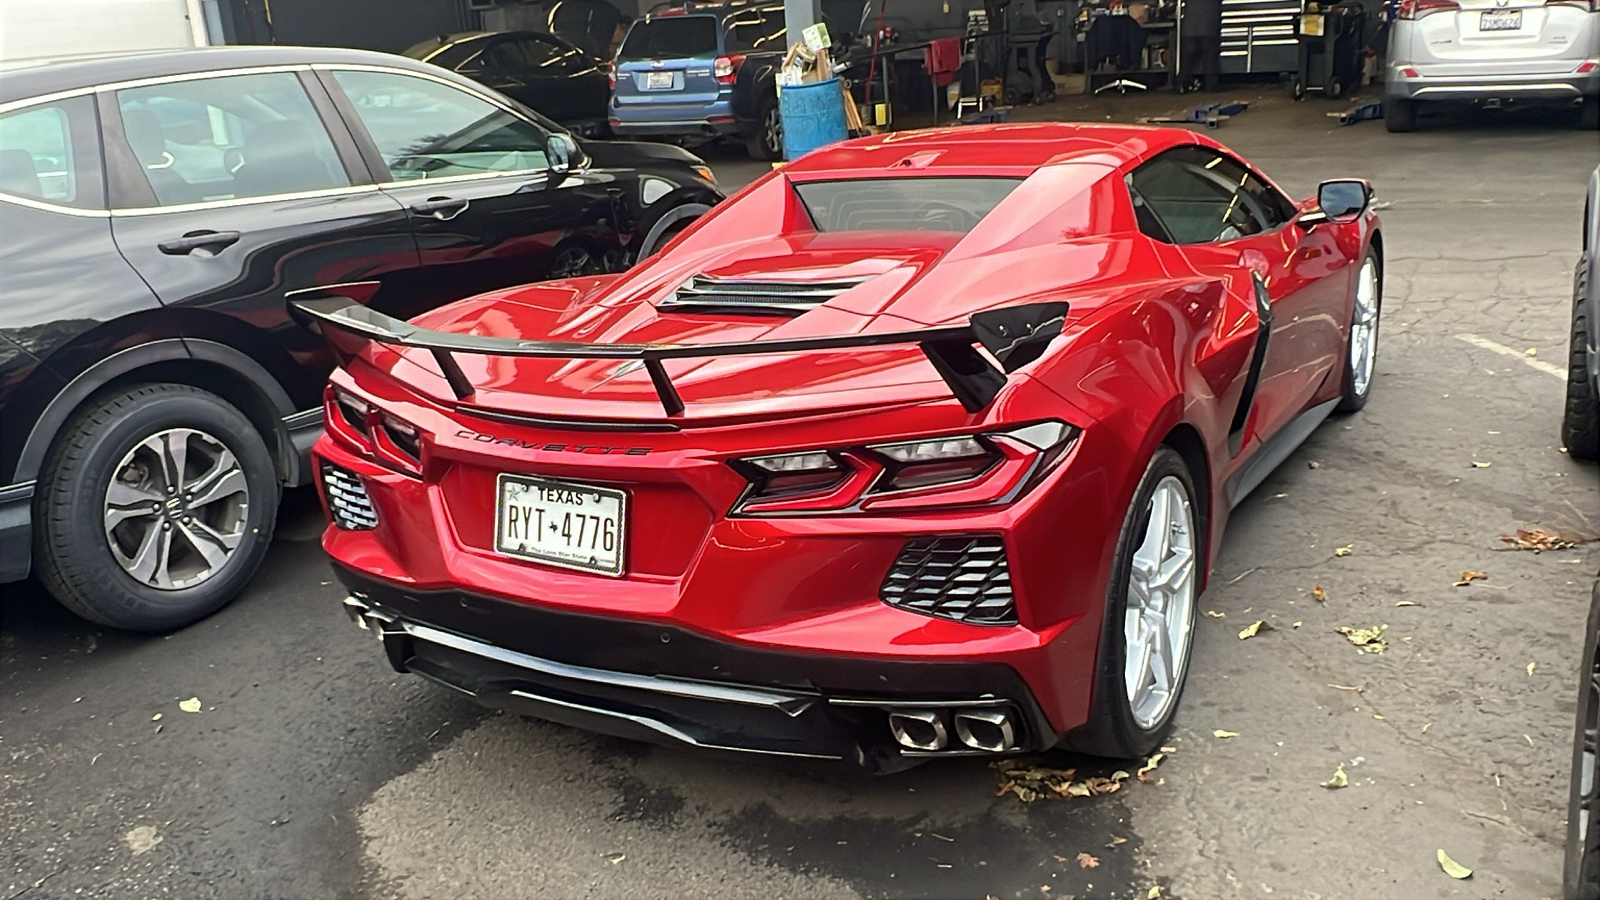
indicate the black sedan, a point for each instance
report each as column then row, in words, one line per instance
column 157, row 210
column 542, row 71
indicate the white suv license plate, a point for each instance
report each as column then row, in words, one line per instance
column 561, row 523
column 1500, row 20
column 658, row 81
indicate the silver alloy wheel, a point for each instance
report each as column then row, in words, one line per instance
column 573, row 262
column 772, row 132
column 1158, row 625
column 176, row 509
column 1364, row 328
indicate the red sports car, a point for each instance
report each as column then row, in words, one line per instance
column 917, row 447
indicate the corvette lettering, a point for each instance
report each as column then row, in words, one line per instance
column 603, row 449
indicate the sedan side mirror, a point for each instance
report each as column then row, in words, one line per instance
column 563, row 153
column 1341, row 200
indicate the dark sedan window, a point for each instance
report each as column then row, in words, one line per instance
column 672, row 37
column 425, row 129
column 229, row 138
column 1193, row 195
column 903, row 204
column 48, row 152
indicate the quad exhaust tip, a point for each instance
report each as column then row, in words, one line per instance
column 989, row 729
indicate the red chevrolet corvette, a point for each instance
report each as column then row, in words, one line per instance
column 919, row 446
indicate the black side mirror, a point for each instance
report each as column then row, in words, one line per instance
column 563, row 153
column 1340, row 200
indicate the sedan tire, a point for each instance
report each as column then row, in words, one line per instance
column 1580, row 419
column 1581, row 873
column 1148, row 632
column 1399, row 114
column 155, row 508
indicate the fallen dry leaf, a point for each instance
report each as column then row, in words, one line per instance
column 1253, row 629
column 191, row 705
column 1319, row 594
column 1531, row 667
column 1469, row 576
column 1342, row 551
column 1313, row 465
column 1367, row 640
column 1451, row 867
column 1117, row 840
column 1297, row 625
column 1224, row 735
column 1216, row 615
column 1539, row 540
column 1358, row 688
column 1086, row 861
column 1338, row 780
column 1030, row 783
column 1155, row 893
column 1408, row 603
column 1149, row 767
column 1479, row 465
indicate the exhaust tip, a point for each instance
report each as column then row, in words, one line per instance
column 918, row 729
column 986, row 729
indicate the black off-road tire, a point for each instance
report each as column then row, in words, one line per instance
column 73, row 558
column 766, row 143
column 1399, row 114
column 1580, row 878
column 1111, row 730
column 1580, row 419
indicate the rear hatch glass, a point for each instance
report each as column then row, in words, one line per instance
column 903, row 204
column 676, row 37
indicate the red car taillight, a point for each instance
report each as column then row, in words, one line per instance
column 1586, row 5
column 726, row 68
column 960, row 470
column 1416, row 9
column 373, row 433
column 611, row 74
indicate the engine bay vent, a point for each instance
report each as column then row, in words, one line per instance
column 705, row 293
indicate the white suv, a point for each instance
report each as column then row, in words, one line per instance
column 1493, row 53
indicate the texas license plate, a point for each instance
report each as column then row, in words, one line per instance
column 658, row 81
column 1500, row 20
column 562, row 523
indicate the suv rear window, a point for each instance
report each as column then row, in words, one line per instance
column 675, row 37
column 903, row 204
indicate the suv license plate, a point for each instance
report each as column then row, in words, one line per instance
column 1500, row 20
column 562, row 523
column 658, row 81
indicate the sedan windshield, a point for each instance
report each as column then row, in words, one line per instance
column 903, row 204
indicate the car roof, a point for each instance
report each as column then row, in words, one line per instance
column 1005, row 149
column 27, row 78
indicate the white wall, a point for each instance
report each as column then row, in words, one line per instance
column 62, row 27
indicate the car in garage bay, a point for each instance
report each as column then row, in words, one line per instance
column 540, row 71
column 920, row 446
column 159, row 209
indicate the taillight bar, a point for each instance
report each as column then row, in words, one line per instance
column 1416, row 9
column 726, row 68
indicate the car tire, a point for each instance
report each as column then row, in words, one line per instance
column 1580, row 878
column 1580, row 419
column 662, row 223
column 1361, row 340
column 154, row 558
column 766, row 144
column 1129, row 722
column 1588, row 117
column 1399, row 114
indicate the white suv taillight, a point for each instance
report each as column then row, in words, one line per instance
column 726, row 68
column 1416, row 9
column 1587, row 5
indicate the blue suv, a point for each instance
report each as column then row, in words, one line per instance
column 702, row 70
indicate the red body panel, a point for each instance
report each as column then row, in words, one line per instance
column 1157, row 338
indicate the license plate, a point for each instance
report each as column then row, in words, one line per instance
column 658, row 81
column 1500, row 20
column 562, row 523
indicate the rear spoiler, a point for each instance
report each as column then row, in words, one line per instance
column 1014, row 335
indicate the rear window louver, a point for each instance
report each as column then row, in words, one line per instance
column 705, row 293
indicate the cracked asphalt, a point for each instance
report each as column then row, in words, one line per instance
column 314, row 771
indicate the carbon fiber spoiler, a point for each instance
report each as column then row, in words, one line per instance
column 1014, row 335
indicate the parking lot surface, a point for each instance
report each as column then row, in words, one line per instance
column 313, row 770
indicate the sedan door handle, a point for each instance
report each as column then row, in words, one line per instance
column 442, row 208
column 196, row 240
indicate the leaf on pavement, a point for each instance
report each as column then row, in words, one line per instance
column 1338, row 780
column 1451, row 867
column 1539, row 540
column 1479, row 465
column 1342, row 551
column 1531, row 667
column 1224, row 735
column 1469, row 576
column 1319, row 594
column 1086, row 861
column 191, row 705
column 1155, row 893
column 1216, row 615
column 1253, row 629
column 1408, row 603
column 1367, row 640
column 1149, row 767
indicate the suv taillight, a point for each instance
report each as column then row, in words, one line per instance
column 1416, row 9
column 726, row 68
column 1586, row 5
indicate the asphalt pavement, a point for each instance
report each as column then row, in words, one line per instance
column 312, row 770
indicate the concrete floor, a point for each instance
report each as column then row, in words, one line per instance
column 314, row 771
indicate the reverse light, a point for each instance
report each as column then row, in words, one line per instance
column 1416, row 9
column 726, row 68
column 373, row 433
column 353, row 411
column 937, row 450
column 404, row 436
column 792, row 463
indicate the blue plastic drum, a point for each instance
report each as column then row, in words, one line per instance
column 813, row 116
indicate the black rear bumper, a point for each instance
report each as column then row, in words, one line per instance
column 665, row 684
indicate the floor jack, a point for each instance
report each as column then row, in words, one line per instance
column 1210, row 115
